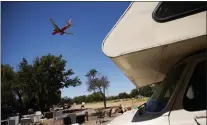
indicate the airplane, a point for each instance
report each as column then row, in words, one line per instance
column 61, row 30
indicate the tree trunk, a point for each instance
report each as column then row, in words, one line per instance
column 103, row 94
column 104, row 98
column 20, row 104
column 104, row 101
column 20, row 100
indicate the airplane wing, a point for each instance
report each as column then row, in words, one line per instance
column 69, row 33
column 53, row 23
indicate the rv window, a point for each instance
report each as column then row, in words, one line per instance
column 162, row 94
column 195, row 95
column 171, row 10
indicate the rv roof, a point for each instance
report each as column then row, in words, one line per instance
column 145, row 50
column 136, row 30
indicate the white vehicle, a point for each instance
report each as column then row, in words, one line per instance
column 163, row 42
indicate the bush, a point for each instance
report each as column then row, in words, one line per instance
column 123, row 95
column 145, row 91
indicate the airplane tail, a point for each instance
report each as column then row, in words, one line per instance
column 70, row 22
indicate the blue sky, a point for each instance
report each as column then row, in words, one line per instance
column 26, row 32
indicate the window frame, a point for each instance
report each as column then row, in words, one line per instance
column 173, row 97
column 183, row 72
column 190, row 73
column 176, row 16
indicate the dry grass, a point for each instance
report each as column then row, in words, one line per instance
column 125, row 102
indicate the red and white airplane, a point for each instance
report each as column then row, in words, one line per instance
column 61, row 30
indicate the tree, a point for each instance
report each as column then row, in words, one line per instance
column 9, row 102
column 41, row 81
column 94, row 97
column 112, row 98
column 79, row 99
column 7, row 75
column 134, row 92
column 35, row 85
column 97, row 82
column 123, row 95
column 146, row 90
column 66, row 100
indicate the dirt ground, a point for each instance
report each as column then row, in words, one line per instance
column 92, row 106
column 125, row 102
column 132, row 103
column 92, row 121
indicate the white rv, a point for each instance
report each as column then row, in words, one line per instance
column 163, row 42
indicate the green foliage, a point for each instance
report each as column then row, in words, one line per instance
column 66, row 100
column 94, row 97
column 6, row 78
column 97, row 82
column 134, row 93
column 112, row 98
column 38, row 85
column 97, row 96
column 146, row 91
column 79, row 99
column 123, row 95
column 9, row 101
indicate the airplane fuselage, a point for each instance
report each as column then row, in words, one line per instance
column 61, row 31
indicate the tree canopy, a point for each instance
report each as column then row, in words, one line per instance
column 38, row 85
column 146, row 91
column 134, row 93
column 123, row 95
column 97, row 83
column 9, row 102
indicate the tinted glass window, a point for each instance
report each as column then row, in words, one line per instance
column 167, row 11
column 162, row 94
column 195, row 95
